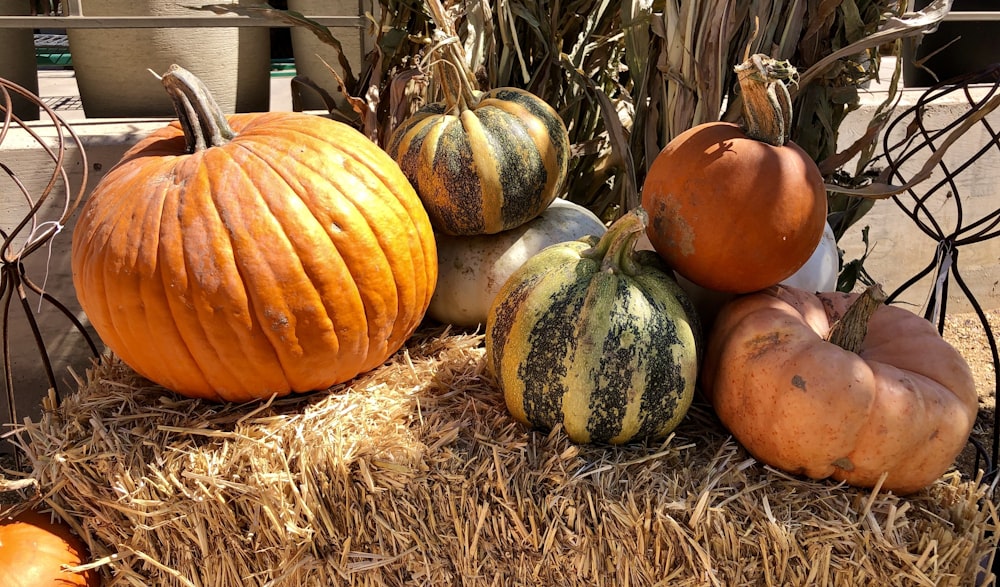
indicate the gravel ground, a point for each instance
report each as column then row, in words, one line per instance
column 966, row 334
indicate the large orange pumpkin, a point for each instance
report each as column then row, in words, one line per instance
column 738, row 208
column 882, row 393
column 263, row 254
column 35, row 551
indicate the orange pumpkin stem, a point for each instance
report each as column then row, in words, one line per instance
column 767, row 107
column 617, row 246
column 849, row 332
column 200, row 116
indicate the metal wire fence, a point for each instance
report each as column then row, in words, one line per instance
column 939, row 208
column 44, row 214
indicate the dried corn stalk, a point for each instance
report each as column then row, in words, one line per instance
column 629, row 75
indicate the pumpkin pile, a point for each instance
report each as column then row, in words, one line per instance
column 809, row 380
column 256, row 255
column 489, row 167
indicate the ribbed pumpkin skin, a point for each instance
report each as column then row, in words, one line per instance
column 611, row 357
column 292, row 258
column 488, row 169
column 903, row 404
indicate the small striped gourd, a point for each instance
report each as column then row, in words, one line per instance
column 596, row 337
column 488, row 164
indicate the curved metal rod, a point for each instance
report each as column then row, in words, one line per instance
column 33, row 232
column 917, row 139
column 991, row 341
column 916, row 142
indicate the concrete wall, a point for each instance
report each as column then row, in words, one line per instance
column 900, row 249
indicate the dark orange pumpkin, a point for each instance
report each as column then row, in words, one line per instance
column 263, row 254
column 738, row 208
column 35, row 551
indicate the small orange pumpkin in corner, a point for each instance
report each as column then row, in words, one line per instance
column 839, row 385
column 738, row 208
column 263, row 254
column 34, row 552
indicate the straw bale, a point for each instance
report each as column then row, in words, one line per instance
column 414, row 474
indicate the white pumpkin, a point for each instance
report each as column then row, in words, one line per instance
column 821, row 270
column 819, row 273
column 471, row 269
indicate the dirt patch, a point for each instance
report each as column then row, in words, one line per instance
column 966, row 333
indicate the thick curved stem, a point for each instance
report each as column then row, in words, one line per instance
column 616, row 248
column 204, row 123
column 458, row 81
column 850, row 331
column 767, row 107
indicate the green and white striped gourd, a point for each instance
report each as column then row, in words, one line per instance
column 489, row 165
column 597, row 337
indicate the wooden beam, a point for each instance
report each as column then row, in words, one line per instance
column 118, row 22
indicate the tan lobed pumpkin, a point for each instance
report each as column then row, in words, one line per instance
column 472, row 269
column 263, row 254
column 884, row 393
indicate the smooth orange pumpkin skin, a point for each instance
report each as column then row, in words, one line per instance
column 33, row 550
column 290, row 259
column 730, row 213
column 905, row 404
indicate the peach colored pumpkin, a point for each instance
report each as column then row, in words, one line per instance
column 903, row 404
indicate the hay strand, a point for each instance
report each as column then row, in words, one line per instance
column 415, row 474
